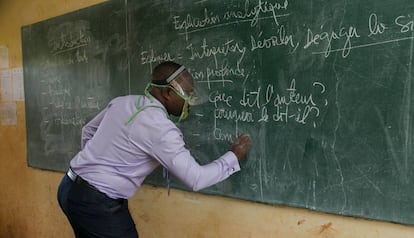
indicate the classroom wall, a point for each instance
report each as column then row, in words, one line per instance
column 28, row 206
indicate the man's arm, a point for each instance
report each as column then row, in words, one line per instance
column 88, row 131
column 177, row 159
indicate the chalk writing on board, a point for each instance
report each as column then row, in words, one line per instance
column 219, row 53
column 68, row 42
column 62, row 105
column 150, row 57
column 345, row 34
column 249, row 13
column 223, row 74
column 282, row 38
column 376, row 27
column 291, row 106
column 230, row 46
column 319, row 39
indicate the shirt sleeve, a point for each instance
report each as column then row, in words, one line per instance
column 88, row 131
column 174, row 156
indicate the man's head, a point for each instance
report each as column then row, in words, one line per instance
column 172, row 85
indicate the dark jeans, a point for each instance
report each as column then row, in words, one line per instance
column 93, row 214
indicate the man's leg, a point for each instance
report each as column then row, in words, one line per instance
column 93, row 214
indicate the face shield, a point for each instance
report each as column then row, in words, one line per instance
column 188, row 95
column 184, row 88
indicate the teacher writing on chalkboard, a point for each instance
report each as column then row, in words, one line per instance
column 124, row 143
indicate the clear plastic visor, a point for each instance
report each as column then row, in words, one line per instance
column 187, row 91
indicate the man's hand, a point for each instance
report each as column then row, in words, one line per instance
column 241, row 146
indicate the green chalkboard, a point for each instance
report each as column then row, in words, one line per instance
column 324, row 88
column 73, row 65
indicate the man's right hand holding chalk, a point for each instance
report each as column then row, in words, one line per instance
column 241, row 146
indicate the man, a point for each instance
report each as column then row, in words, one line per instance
column 124, row 143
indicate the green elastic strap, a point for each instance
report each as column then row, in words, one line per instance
column 140, row 109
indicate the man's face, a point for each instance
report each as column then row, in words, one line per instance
column 183, row 89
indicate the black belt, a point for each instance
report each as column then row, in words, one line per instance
column 79, row 180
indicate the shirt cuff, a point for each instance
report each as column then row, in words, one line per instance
column 232, row 162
